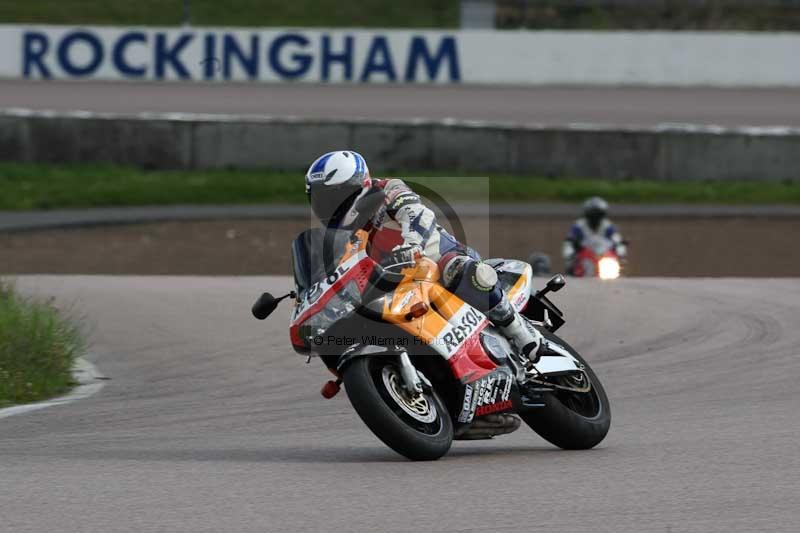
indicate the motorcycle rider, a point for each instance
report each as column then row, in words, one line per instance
column 594, row 223
column 404, row 229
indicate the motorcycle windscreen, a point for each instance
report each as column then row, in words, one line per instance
column 598, row 244
column 315, row 254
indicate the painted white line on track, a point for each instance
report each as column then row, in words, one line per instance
column 84, row 372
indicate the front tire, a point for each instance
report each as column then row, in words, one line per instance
column 418, row 428
column 572, row 421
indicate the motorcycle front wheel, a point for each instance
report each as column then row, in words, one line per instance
column 572, row 420
column 417, row 426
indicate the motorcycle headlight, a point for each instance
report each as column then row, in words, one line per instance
column 608, row 268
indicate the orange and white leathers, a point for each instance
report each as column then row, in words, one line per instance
column 424, row 308
column 404, row 221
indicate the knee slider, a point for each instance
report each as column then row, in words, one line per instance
column 484, row 277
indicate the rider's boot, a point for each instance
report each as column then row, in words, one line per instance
column 525, row 338
column 522, row 335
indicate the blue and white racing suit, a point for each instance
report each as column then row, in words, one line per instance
column 581, row 232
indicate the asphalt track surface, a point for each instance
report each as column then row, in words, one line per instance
column 212, row 423
column 542, row 105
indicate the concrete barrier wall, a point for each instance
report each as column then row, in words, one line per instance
column 192, row 141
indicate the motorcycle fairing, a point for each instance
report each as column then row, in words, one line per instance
column 562, row 363
column 593, row 250
column 515, row 278
column 492, row 393
column 355, row 268
column 598, row 244
column 449, row 325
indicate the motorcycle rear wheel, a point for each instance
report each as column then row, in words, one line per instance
column 571, row 420
column 417, row 427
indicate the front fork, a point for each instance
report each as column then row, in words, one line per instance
column 411, row 377
column 414, row 381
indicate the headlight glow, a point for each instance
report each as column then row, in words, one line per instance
column 608, row 268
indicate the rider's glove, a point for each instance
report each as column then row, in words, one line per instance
column 404, row 254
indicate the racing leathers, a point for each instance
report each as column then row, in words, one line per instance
column 404, row 227
column 582, row 232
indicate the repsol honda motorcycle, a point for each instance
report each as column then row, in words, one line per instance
column 421, row 366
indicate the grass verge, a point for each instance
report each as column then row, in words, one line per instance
column 672, row 15
column 38, row 347
column 541, row 14
column 324, row 13
column 35, row 186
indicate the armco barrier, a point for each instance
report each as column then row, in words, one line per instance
column 222, row 141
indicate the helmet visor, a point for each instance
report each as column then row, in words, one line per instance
column 594, row 217
column 331, row 204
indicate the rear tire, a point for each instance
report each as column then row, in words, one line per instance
column 365, row 380
column 562, row 422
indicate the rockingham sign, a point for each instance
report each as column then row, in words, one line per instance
column 276, row 55
column 230, row 55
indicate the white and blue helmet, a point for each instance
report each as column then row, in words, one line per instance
column 595, row 209
column 334, row 181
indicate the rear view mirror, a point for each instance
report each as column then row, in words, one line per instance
column 267, row 303
column 264, row 306
column 556, row 283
